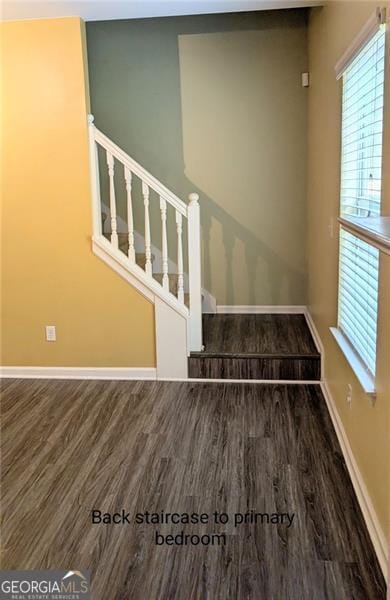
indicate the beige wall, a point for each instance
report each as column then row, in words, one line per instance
column 331, row 30
column 214, row 104
column 49, row 274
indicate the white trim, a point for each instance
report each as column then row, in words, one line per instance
column 375, row 237
column 114, row 373
column 366, row 380
column 140, row 373
column 373, row 24
column 132, row 273
column 106, row 256
column 171, row 341
column 262, row 309
column 375, row 531
column 195, row 335
column 257, row 381
column 317, row 339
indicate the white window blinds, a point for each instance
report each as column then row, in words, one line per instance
column 360, row 195
column 358, row 296
column 362, row 125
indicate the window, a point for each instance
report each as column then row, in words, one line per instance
column 360, row 195
column 362, row 126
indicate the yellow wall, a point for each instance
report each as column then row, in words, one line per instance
column 331, row 30
column 49, row 274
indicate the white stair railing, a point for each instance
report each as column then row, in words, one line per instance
column 189, row 214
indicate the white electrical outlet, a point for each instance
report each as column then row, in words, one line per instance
column 51, row 335
column 305, row 80
column 349, row 395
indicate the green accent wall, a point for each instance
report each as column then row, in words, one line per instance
column 214, row 104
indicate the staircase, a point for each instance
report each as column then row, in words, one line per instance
column 256, row 346
column 178, row 309
column 236, row 346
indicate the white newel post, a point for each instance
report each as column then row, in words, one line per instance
column 110, row 166
column 194, row 274
column 95, row 184
column 180, row 273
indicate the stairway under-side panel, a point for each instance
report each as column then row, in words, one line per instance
column 256, row 346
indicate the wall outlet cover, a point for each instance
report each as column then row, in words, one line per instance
column 51, row 335
column 349, row 394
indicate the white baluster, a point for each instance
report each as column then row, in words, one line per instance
column 194, row 274
column 165, row 278
column 148, row 253
column 180, row 278
column 110, row 165
column 130, row 222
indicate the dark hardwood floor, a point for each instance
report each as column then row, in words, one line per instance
column 269, row 334
column 70, row 447
column 256, row 346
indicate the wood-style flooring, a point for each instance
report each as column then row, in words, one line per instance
column 256, row 346
column 69, row 447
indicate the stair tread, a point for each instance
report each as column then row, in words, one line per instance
column 257, row 336
column 256, row 346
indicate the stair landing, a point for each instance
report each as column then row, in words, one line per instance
column 256, row 346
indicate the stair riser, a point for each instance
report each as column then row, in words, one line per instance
column 296, row 369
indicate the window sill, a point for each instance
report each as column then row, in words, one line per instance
column 373, row 230
column 366, row 380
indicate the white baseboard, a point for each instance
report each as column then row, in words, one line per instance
column 375, row 531
column 77, row 373
column 254, row 381
column 262, row 309
column 317, row 340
